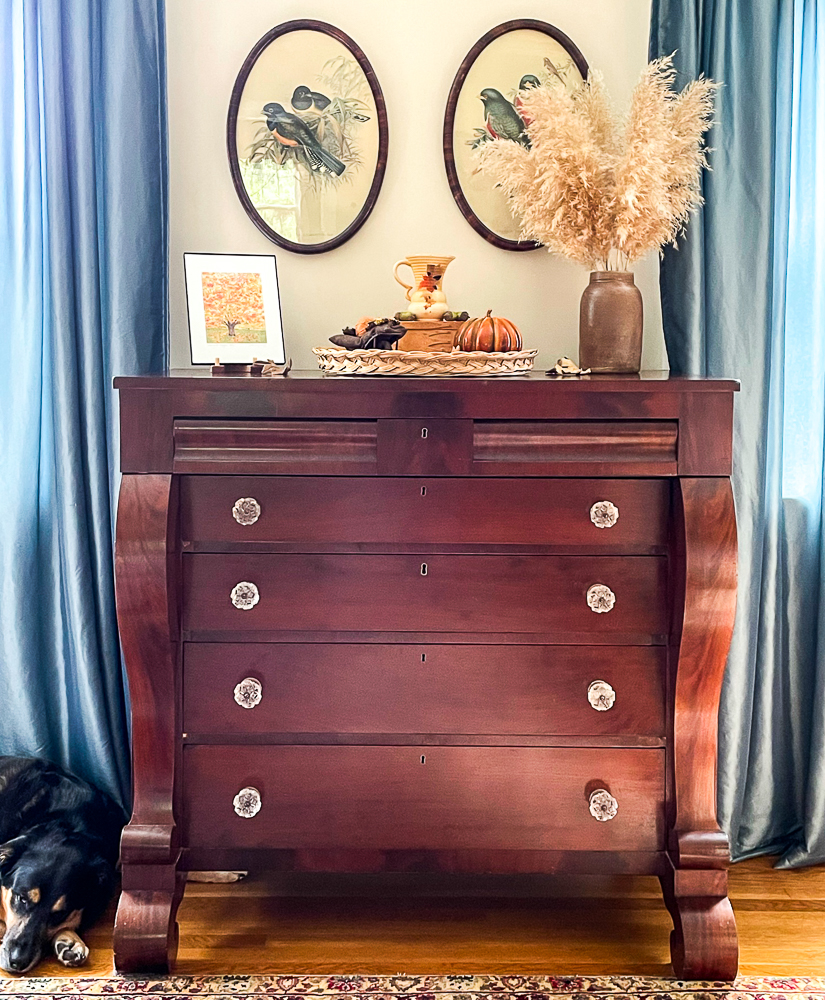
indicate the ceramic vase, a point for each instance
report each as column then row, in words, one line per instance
column 610, row 323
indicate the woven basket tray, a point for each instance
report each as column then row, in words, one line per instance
column 337, row 361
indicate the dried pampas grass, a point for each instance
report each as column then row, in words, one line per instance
column 601, row 188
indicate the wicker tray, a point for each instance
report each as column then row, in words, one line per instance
column 337, row 361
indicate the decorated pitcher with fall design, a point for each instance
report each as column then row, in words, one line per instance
column 426, row 294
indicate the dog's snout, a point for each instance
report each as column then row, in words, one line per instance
column 18, row 958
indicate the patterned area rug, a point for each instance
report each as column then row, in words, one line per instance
column 418, row 987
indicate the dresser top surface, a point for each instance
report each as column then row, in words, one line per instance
column 653, row 381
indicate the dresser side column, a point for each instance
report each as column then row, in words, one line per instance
column 704, row 942
column 145, row 934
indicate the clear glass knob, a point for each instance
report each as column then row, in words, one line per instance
column 603, row 806
column 245, row 595
column 604, row 514
column 249, row 692
column 247, row 803
column 601, row 696
column 600, row 598
column 247, row 510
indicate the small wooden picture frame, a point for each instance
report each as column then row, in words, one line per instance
column 234, row 308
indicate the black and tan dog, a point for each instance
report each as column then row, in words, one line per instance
column 58, row 853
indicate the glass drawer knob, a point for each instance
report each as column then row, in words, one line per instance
column 600, row 694
column 249, row 692
column 247, row 510
column 245, row 595
column 600, row 598
column 247, row 803
column 604, row 514
column 603, row 806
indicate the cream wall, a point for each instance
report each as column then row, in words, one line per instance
column 415, row 49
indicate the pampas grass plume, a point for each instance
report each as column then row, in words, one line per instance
column 601, row 188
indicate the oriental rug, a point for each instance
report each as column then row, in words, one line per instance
column 401, row 987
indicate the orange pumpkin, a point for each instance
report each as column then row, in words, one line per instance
column 488, row 333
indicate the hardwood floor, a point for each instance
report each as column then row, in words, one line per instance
column 590, row 925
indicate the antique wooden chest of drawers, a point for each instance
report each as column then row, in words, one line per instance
column 444, row 625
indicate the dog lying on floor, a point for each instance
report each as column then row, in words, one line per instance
column 59, row 840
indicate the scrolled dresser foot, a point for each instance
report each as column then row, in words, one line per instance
column 704, row 943
column 146, row 931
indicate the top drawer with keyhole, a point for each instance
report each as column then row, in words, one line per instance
column 425, row 447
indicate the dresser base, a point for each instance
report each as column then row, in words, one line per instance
column 703, row 943
column 463, row 862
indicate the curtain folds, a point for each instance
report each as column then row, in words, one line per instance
column 83, row 262
column 742, row 297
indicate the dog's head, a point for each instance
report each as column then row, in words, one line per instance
column 48, row 877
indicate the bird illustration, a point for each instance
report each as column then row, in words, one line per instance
column 303, row 99
column 527, row 82
column 290, row 130
column 551, row 66
column 501, row 118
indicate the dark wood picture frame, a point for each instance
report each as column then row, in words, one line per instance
column 449, row 118
column 231, row 135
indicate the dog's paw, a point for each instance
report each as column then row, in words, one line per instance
column 70, row 950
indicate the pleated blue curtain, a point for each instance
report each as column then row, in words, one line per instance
column 83, row 264
column 743, row 297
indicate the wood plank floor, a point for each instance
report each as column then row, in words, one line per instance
column 615, row 926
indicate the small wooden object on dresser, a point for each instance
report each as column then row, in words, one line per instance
column 446, row 625
column 428, row 335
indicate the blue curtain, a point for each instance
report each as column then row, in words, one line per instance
column 743, row 297
column 83, row 265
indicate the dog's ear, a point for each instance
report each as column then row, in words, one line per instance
column 10, row 853
column 102, row 873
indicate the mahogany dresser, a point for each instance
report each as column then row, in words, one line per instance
column 445, row 625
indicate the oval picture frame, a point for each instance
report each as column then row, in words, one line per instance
column 295, row 176
column 463, row 127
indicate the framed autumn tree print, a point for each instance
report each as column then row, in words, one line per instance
column 234, row 308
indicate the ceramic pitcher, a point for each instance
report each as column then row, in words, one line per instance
column 426, row 295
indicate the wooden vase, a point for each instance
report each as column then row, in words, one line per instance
column 610, row 323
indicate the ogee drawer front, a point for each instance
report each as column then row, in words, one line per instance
column 257, row 688
column 620, row 515
column 392, row 593
column 276, row 447
column 428, row 798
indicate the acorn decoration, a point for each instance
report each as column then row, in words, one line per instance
column 375, row 334
column 488, row 333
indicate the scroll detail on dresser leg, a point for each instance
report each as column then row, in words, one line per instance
column 704, row 941
column 145, row 934
column 146, row 931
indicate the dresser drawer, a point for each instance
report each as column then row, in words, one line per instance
column 445, row 593
column 405, row 688
column 428, row 798
column 587, row 515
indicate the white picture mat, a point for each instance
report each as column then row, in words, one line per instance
column 194, row 265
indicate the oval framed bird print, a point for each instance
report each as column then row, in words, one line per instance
column 484, row 104
column 307, row 136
